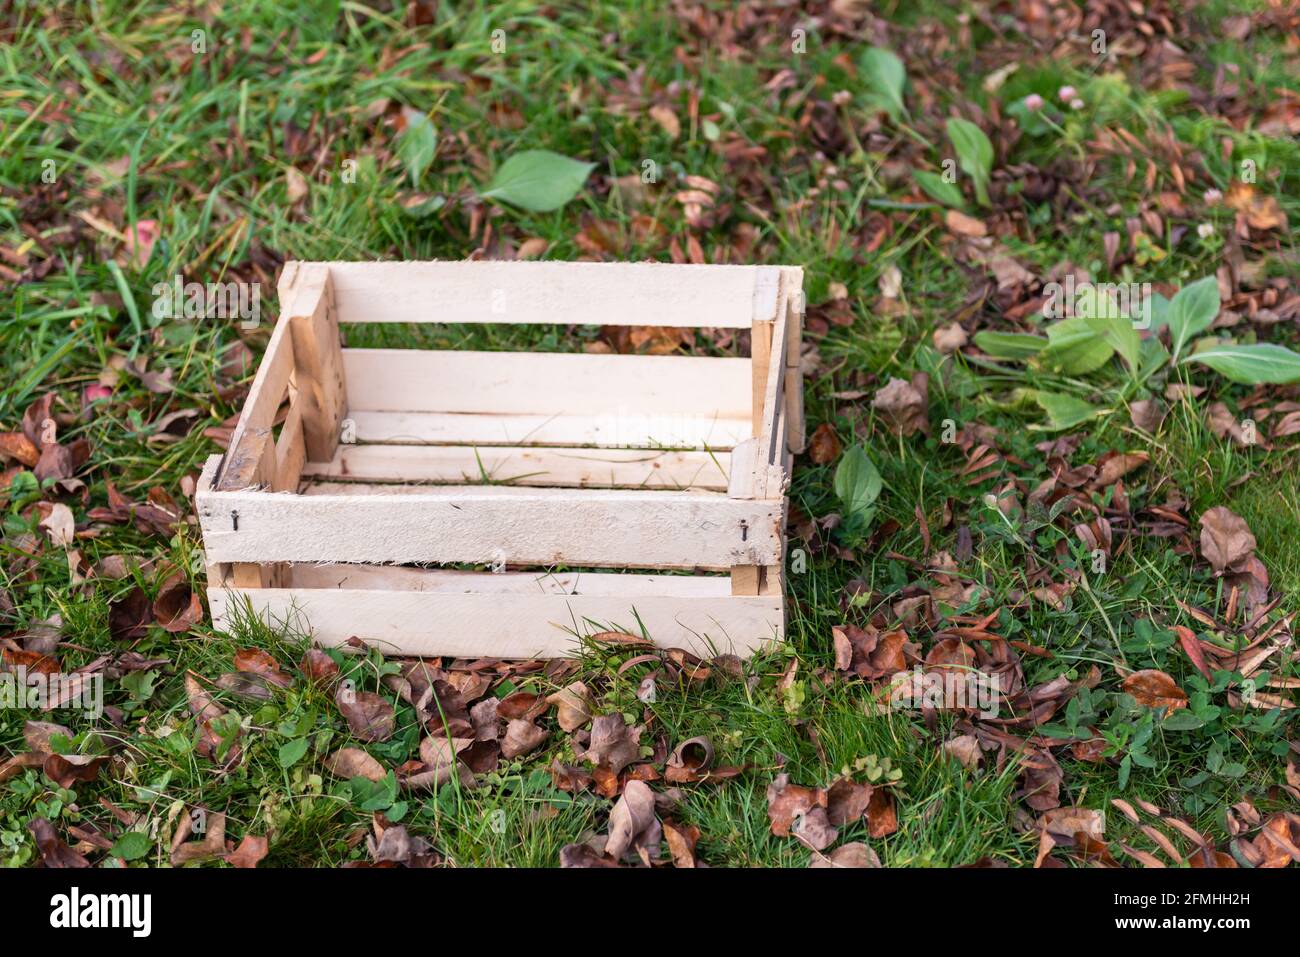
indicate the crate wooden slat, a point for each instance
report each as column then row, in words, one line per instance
column 327, row 513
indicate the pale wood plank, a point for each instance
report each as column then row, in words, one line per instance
column 550, row 383
column 603, row 430
column 568, row 468
column 746, row 579
column 290, row 452
column 744, row 457
column 773, row 403
column 760, row 364
column 543, row 526
column 455, row 581
column 318, row 360
column 625, row 294
column 795, row 430
column 269, row 387
column 524, row 626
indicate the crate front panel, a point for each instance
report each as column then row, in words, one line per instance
column 399, row 524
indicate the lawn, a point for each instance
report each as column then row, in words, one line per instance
column 1099, row 506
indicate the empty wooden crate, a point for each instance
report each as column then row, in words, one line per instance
column 573, row 492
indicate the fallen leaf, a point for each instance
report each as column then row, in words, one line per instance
column 251, row 850
column 824, row 446
column 177, row 608
column 614, row 744
column 370, row 717
column 318, row 667
column 632, row 822
column 60, row 525
column 786, row 802
column 54, row 852
column 1226, row 539
column 351, row 763
column 682, row 839
column 667, row 119
column 902, row 405
column 213, row 843
column 1155, row 689
column 521, row 738
column 572, row 706
column 129, row 616
column 854, row 854
column 948, row 339
column 960, row 224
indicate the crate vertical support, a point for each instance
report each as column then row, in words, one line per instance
column 318, row 360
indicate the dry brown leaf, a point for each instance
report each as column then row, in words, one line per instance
column 177, row 608
column 854, row 854
column 522, row 737
column 786, row 802
column 351, row 763
column 1226, row 540
column 824, row 446
column 632, row 822
column 572, row 706
column 960, row 224
column 1155, row 689
column 370, row 717
column 902, row 405
column 249, row 853
column 614, row 744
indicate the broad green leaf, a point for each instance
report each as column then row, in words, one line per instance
column 885, row 76
column 1181, row 720
column 1252, row 364
column 538, row 180
column 974, row 154
column 1159, row 311
column 291, row 752
column 417, row 144
column 939, row 189
column 857, row 481
column 1105, row 317
column 1192, row 310
column 1065, row 411
column 132, row 846
column 1154, row 356
column 1076, row 347
column 1010, row 345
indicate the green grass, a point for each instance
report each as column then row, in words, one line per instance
column 138, row 127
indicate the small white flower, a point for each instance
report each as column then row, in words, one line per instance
column 1067, row 93
column 1205, row 230
column 1212, row 196
column 1076, row 104
column 1033, row 102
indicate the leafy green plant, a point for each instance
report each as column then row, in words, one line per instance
column 974, row 154
column 1085, row 343
column 417, row 144
column 857, row 486
column 885, row 76
column 939, row 189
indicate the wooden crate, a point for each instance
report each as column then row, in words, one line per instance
column 353, row 470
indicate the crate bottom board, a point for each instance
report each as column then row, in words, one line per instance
column 429, row 613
